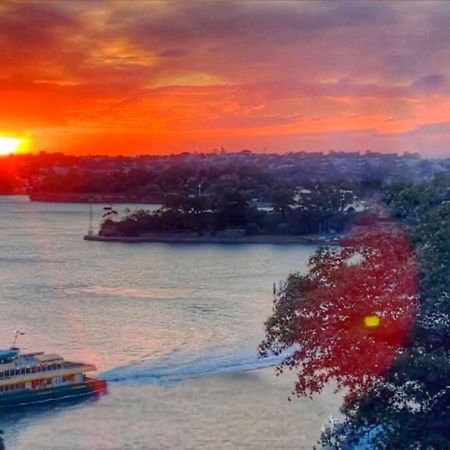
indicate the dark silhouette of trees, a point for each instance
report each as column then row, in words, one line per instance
column 109, row 213
column 8, row 182
column 229, row 207
column 282, row 200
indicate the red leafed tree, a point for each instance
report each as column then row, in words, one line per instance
column 349, row 316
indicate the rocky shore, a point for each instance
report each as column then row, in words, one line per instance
column 192, row 238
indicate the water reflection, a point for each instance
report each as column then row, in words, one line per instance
column 15, row 420
column 120, row 305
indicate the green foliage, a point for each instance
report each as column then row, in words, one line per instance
column 319, row 213
column 410, row 202
column 407, row 404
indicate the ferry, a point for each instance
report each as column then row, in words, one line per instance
column 28, row 379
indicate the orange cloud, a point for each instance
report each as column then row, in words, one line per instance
column 145, row 77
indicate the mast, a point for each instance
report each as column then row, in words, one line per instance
column 16, row 333
column 91, row 229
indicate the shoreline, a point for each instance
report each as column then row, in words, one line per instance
column 171, row 238
column 93, row 198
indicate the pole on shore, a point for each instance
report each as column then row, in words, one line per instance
column 91, row 229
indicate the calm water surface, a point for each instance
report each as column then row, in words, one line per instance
column 174, row 329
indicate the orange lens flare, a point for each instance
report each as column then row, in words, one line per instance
column 372, row 321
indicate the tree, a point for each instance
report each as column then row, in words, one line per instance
column 349, row 316
column 395, row 369
column 175, row 202
column 412, row 401
column 109, row 213
column 282, row 199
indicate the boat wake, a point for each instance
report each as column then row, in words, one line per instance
column 178, row 367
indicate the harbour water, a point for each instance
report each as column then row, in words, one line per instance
column 174, row 328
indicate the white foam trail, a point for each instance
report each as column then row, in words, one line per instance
column 178, row 367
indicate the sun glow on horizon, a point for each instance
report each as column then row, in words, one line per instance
column 10, row 145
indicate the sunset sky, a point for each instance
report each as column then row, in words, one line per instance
column 130, row 77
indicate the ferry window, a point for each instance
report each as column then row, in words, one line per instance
column 6, row 373
column 33, row 369
column 1, row 374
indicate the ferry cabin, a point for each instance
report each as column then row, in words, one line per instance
column 38, row 371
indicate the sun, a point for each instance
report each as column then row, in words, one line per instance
column 9, row 145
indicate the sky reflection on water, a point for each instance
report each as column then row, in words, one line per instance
column 136, row 307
